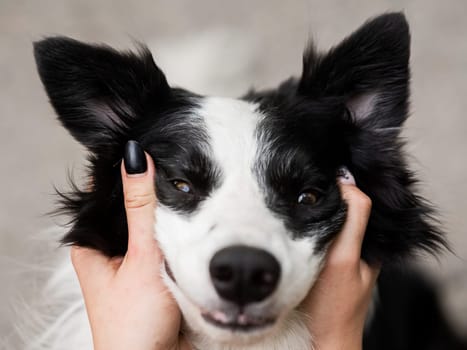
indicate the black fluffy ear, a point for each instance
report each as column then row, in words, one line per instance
column 369, row 70
column 97, row 91
column 369, row 73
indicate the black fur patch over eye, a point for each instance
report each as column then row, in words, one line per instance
column 181, row 195
column 300, row 147
column 179, row 144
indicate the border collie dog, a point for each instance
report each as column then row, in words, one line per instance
column 248, row 200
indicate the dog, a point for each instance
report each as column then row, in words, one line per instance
column 247, row 195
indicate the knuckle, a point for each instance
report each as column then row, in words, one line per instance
column 343, row 260
column 138, row 200
column 365, row 201
column 343, row 264
column 361, row 200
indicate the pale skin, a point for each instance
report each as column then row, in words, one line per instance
column 130, row 307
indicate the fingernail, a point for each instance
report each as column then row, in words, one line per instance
column 134, row 158
column 344, row 176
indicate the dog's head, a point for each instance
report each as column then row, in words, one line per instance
column 248, row 200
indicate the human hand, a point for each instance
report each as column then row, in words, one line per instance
column 128, row 304
column 338, row 302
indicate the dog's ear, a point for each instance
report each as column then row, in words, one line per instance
column 97, row 91
column 369, row 74
column 369, row 70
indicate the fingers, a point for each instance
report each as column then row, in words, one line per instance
column 139, row 197
column 347, row 246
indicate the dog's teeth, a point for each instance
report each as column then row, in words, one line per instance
column 219, row 316
column 242, row 319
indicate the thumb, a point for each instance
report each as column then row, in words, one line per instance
column 347, row 245
column 139, row 197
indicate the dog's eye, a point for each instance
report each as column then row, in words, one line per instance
column 182, row 186
column 307, row 198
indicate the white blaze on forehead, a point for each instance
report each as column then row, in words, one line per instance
column 231, row 128
column 238, row 203
column 237, row 208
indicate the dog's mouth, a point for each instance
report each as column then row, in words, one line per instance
column 240, row 322
column 237, row 321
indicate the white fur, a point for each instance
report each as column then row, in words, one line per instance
column 64, row 313
column 235, row 213
column 55, row 318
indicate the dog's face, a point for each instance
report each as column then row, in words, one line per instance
column 243, row 216
column 248, row 200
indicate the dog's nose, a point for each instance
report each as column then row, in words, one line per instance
column 243, row 275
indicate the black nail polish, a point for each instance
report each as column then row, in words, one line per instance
column 134, row 158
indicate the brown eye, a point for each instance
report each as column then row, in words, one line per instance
column 307, row 198
column 182, row 186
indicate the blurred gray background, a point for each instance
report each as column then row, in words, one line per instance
column 223, row 48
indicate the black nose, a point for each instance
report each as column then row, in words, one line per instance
column 244, row 275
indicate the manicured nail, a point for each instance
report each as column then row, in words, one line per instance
column 134, row 158
column 344, row 176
